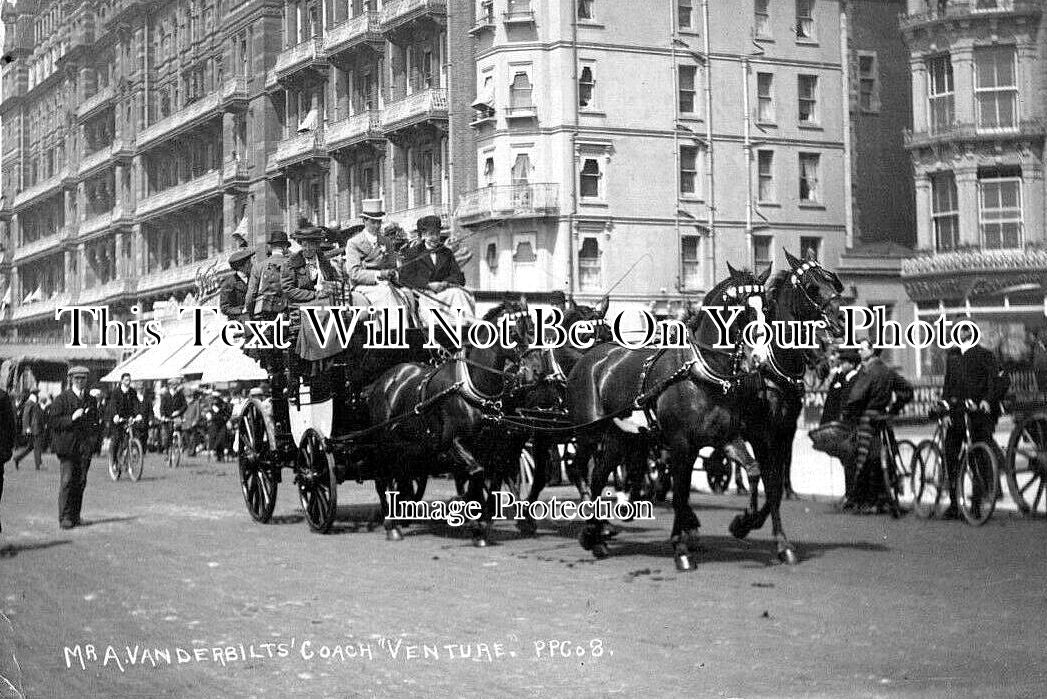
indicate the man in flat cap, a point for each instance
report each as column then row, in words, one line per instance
column 75, row 425
column 433, row 270
column 370, row 261
column 234, row 288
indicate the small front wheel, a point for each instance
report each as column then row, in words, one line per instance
column 134, row 459
column 174, row 451
column 978, row 484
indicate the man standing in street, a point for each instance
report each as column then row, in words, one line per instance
column 7, row 436
column 75, row 423
column 33, row 428
column 840, row 383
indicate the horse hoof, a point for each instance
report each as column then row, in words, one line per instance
column 600, row 551
column 394, row 534
column 480, row 542
column 788, row 557
column 683, row 563
column 738, row 528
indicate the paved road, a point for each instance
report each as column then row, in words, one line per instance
column 173, row 566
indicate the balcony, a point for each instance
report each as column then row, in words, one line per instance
column 519, row 15
column 522, row 201
column 197, row 189
column 90, row 163
column 363, row 30
column 49, row 187
column 96, row 224
column 298, row 149
column 235, row 174
column 94, row 103
column 422, row 106
column 234, row 94
column 182, row 120
column 95, row 295
column 966, row 11
column 308, row 55
column 43, row 308
column 397, row 15
column 348, row 132
column 181, row 275
column 408, row 218
column 1027, row 129
column 973, row 271
column 38, row 247
column 484, row 20
column 122, row 218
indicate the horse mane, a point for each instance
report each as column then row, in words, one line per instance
column 775, row 283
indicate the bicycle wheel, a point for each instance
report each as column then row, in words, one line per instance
column 979, row 482
column 135, row 459
column 114, row 464
column 906, row 450
column 174, row 451
column 928, row 478
column 1026, row 465
column 888, row 470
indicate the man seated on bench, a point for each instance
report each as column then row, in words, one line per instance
column 370, row 263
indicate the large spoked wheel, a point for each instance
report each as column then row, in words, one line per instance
column 134, row 458
column 979, row 483
column 928, row 478
column 256, row 477
column 317, row 482
column 1027, row 465
column 718, row 470
column 174, row 451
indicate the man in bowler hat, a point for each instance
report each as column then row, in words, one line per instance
column 75, row 423
column 433, row 270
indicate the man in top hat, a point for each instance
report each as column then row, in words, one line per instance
column 370, row 260
column 75, row 426
column 234, row 288
column 433, row 270
column 265, row 293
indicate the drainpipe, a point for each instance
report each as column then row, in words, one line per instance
column 845, row 82
column 676, row 144
column 747, row 149
column 574, row 149
column 451, row 114
column 711, row 206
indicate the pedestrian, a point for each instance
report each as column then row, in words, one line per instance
column 75, row 423
column 7, row 436
column 33, row 428
column 840, row 383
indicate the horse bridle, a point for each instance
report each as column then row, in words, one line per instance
column 799, row 278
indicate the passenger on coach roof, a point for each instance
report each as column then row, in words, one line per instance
column 371, row 261
column 431, row 268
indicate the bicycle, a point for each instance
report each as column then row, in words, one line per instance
column 979, row 473
column 174, row 446
column 1026, row 461
column 130, row 458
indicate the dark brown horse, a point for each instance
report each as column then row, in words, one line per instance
column 435, row 415
column 769, row 412
column 686, row 391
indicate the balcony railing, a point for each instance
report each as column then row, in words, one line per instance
column 45, row 307
column 201, row 109
column 94, row 102
column 39, row 189
column 518, row 16
column 365, row 27
column 95, row 224
column 969, row 10
column 399, row 12
column 102, row 292
column 427, row 104
column 201, row 186
column 300, row 147
column 291, row 60
column 409, row 217
column 353, row 129
column 234, row 91
column 96, row 159
column 234, row 172
column 27, row 250
column 512, row 201
column 972, row 132
column 182, row 274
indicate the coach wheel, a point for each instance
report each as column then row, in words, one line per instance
column 1027, row 465
column 256, row 478
column 134, row 458
column 317, row 482
column 718, row 471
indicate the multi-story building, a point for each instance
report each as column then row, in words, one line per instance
column 979, row 86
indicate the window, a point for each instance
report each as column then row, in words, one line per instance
column 996, row 88
column 762, row 18
column 765, row 170
column 521, row 179
column 765, row 98
column 586, row 86
column 685, row 14
column 940, row 93
column 585, row 9
column 810, row 248
column 590, row 179
column 809, row 177
column 1000, row 207
column 687, row 90
column 486, row 14
column 804, row 19
column 868, row 83
column 762, row 251
column 945, row 212
column 808, row 96
column 525, row 277
column 491, row 257
column 692, row 263
column 589, row 273
column 689, row 170
column 520, row 92
column 489, row 171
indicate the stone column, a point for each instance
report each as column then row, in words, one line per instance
column 918, row 68
column 139, row 251
column 119, row 261
column 1033, row 205
column 1027, row 81
column 73, row 276
column 967, row 196
column 924, row 229
column 963, row 83
column 84, row 271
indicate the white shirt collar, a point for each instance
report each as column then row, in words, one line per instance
column 371, row 237
column 851, row 373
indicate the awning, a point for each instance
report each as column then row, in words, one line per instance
column 220, row 363
column 154, row 362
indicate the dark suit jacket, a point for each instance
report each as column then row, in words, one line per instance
column 7, row 428
column 33, row 417
column 836, row 396
column 265, row 291
column 123, row 404
column 75, row 439
column 172, row 406
column 298, row 285
column 419, row 270
column 234, row 291
column 974, row 375
column 873, row 388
